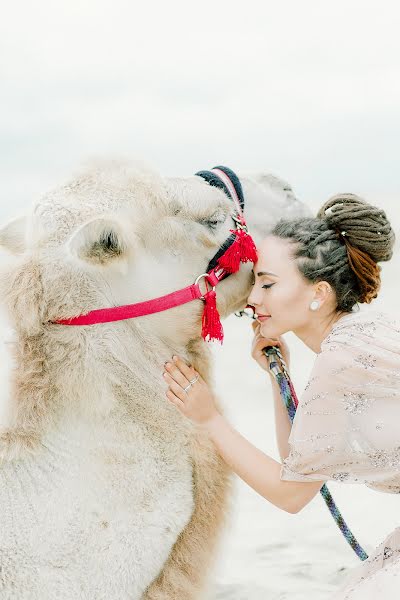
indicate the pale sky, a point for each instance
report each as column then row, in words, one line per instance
column 308, row 90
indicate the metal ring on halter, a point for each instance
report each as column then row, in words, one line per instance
column 205, row 275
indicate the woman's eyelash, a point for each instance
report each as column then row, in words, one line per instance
column 266, row 286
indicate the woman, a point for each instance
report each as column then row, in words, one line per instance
column 310, row 275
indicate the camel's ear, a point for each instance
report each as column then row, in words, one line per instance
column 13, row 235
column 99, row 241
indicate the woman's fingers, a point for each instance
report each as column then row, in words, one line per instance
column 176, row 374
column 175, row 400
column 187, row 371
column 258, row 346
column 175, row 387
column 263, row 343
column 197, row 403
column 259, row 343
column 181, row 372
column 258, row 336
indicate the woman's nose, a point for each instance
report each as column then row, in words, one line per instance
column 254, row 297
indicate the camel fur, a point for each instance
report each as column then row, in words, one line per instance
column 106, row 491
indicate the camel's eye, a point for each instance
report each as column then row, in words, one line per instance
column 213, row 224
column 215, row 221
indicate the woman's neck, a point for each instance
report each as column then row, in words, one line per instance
column 313, row 334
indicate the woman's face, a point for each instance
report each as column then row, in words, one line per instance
column 280, row 295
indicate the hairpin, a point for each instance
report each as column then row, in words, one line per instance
column 329, row 210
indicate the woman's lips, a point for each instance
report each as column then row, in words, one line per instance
column 263, row 317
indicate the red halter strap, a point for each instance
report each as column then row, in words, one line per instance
column 241, row 250
column 140, row 309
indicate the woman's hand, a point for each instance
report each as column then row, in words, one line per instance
column 197, row 402
column 260, row 342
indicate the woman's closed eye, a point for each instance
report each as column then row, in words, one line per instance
column 265, row 286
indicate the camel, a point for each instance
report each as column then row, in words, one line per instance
column 106, row 491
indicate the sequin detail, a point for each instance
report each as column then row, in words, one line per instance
column 366, row 360
column 356, row 403
column 340, row 476
column 345, row 427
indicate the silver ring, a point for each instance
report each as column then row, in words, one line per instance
column 193, row 381
column 187, row 388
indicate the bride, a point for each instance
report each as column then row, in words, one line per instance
column 310, row 277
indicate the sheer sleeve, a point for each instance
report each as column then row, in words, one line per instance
column 346, row 426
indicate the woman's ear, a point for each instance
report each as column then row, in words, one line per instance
column 323, row 291
column 100, row 241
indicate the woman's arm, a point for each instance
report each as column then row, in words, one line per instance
column 257, row 469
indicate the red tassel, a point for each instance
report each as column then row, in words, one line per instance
column 242, row 249
column 212, row 326
column 230, row 261
column 248, row 247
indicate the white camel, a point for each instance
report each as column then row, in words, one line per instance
column 106, row 492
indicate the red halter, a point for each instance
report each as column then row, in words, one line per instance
column 241, row 249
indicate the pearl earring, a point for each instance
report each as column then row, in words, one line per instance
column 314, row 305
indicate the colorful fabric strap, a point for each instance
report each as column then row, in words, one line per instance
column 279, row 370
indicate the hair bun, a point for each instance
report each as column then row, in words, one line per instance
column 363, row 225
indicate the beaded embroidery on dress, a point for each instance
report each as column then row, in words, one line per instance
column 347, row 428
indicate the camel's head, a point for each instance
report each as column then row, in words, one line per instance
column 119, row 234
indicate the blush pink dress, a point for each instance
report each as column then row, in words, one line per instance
column 347, row 429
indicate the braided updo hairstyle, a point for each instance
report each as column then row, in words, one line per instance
column 342, row 246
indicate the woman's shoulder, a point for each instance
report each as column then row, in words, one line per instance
column 368, row 328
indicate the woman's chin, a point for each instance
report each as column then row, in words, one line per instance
column 268, row 329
